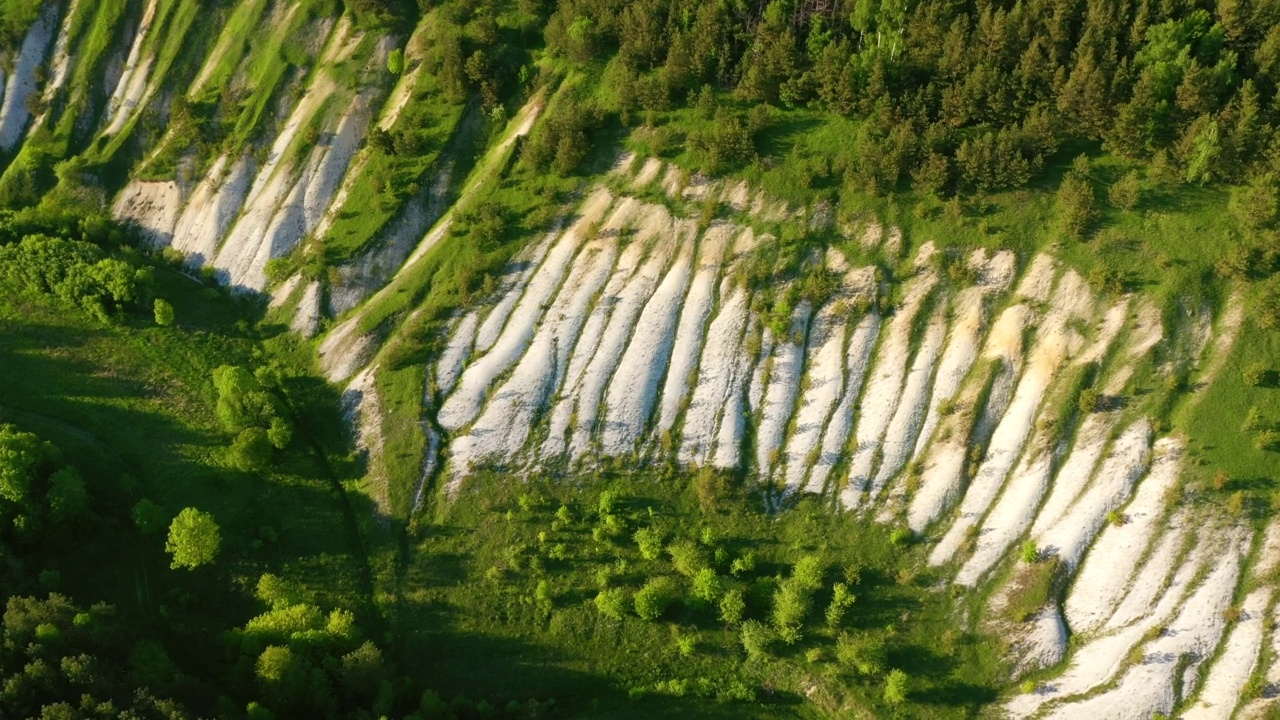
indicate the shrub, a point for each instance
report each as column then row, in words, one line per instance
column 649, row 541
column 865, row 655
column 744, row 564
column 900, row 536
column 612, row 603
column 395, row 61
column 652, row 600
column 841, row 601
column 732, row 606
column 686, row 645
column 706, row 587
column 757, row 638
column 895, row 687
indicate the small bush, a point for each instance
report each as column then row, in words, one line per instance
column 1255, row 374
column 1236, row 503
column 1030, row 554
column 163, row 312
column 1266, row 440
column 895, row 687
column 1088, row 401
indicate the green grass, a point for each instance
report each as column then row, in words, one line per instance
column 234, row 41
column 166, row 40
column 431, row 122
column 468, row 595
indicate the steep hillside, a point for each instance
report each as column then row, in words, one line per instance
column 655, row 327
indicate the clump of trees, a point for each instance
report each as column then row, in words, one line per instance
column 309, row 662
column 961, row 97
column 39, row 493
column 563, row 138
column 257, row 416
column 63, row 660
column 77, row 272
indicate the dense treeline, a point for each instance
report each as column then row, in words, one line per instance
column 966, row 95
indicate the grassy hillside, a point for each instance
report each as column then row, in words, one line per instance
column 1042, row 237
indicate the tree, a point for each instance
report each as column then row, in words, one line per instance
column 251, row 450
column 280, row 433
column 652, row 600
column 1126, row 192
column 194, row 539
column 21, row 455
column 649, row 542
column 163, row 312
column 1256, row 205
column 1203, row 150
column 148, row 517
column 687, row 557
column 706, row 587
column 68, row 499
column 757, row 638
column 1076, row 204
column 612, row 603
column 732, row 606
column 841, row 601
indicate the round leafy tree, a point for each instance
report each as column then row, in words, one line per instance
column 194, row 539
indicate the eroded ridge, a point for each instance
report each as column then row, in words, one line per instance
column 949, row 400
